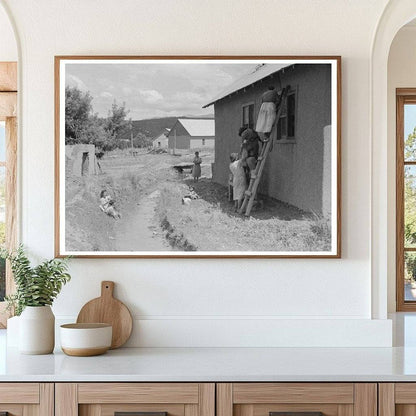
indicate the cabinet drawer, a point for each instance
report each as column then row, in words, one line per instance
column 19, row 393
column 138, row 393
column 107, row 399
column 296, row 399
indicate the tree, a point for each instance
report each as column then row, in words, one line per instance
column 410, row 190
column 410, row 204
column 78, row 109
column 116, row 122
column 410, row 146
column 83, row 126
column 141, row 140
column 410, row 266
column 96, row 132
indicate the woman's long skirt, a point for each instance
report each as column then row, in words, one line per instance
column 266, row 118
column 196, row 171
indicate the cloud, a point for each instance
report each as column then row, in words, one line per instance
column 126, row 90
column 189, row 97
column 151, row 90
column 73, row 81
column 151, row 96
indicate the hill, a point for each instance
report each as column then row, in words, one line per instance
column 153, row 126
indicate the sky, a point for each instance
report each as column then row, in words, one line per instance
column 154, row 90
column 409, row 119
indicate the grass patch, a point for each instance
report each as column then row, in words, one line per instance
column 176, row 239
column 207, row 227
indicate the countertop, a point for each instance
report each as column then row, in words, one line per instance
column 213, row 365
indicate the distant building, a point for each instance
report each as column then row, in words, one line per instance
column 192, row 134
column 298, row 169
column 161, row 141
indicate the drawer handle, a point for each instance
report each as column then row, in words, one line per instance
column 139, row 414
column 296, row 414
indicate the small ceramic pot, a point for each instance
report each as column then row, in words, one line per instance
column 37, row 330
column 83, row 340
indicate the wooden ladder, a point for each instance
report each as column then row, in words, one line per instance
column 256, row 174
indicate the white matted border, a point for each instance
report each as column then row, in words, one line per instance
column 335, row 62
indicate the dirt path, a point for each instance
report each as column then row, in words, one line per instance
column 138, row 231
column 131, row 182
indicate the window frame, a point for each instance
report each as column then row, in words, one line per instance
column 8, row 110
column 285, row 139
column 248, row 104
column 403, row 96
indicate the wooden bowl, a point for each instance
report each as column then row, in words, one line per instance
column 85, row 340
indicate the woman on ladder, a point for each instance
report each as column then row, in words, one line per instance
column 267, row 114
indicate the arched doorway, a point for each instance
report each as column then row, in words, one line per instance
column 8, row 149
column 396, row 14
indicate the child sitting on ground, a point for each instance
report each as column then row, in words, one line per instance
column 107, row 205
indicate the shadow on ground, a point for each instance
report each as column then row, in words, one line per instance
column 268, row 208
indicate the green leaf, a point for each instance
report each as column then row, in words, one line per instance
column 35, row 286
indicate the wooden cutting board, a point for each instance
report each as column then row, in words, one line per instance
column 107, row 309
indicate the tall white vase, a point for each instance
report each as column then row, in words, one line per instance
column 37, row 330
column 13, row 332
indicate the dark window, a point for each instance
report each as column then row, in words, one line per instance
column 85, row 163
column 248, row 116
column 291, row 115
column 286, row 125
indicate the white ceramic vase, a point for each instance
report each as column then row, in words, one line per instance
column 13, row 331
column 37, row 330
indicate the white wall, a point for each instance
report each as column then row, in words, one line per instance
column 179, row 302
column 401, row 74
column 197, row 143
column 8, row 47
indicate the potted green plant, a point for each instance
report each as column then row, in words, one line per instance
column 36, row 289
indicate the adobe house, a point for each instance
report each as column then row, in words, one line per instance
column 161, row 141
column 298, row 169
column 192, row 134
column 81, row 159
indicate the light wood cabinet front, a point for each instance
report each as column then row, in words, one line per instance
column 107, row 399
column 297, row 399
column 27, row 399
column 397, row 399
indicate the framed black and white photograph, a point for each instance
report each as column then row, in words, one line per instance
column 197, row 156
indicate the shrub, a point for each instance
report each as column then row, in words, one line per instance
column 35, row 286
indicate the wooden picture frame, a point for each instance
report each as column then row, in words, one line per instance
column 297, row 207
